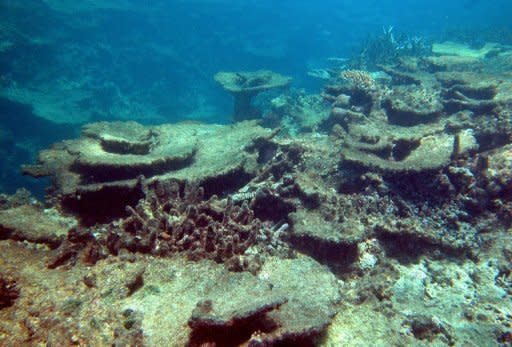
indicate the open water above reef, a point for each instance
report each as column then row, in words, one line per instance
column 128, row 60
column 253, row 173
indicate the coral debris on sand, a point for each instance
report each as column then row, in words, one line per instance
column 390, row 224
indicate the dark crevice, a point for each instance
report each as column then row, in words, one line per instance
column 9, row 292
column 233, row 335
column 94, row 173
column 337, row 256
column 408, row 249
column 408, row 118
column 266, row 152
column 403, row 148
column 102, row 206
column 125, row 147
column 226, row 184
column 270, row 207
column 489, row 141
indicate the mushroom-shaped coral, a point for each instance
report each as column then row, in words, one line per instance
column 245, row 85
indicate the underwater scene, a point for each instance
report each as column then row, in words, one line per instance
column 257, row 173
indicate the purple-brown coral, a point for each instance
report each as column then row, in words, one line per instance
column 169, row 221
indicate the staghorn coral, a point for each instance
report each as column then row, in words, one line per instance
column 167, row 222
column 171, row 219
column 388, row 47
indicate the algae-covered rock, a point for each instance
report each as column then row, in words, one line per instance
column 450, row 63
column 202, row 302
column 499, row 167
column 462, row 50
column 453, row 56
column 311, row 290
column 408, row 236
column 314, row 231
column 330, row 241
column 429, row 153
column 469, row 91
column 107, row 152
column 312, row 225
column 411, row 106
column 34, row 224
column 118, row 151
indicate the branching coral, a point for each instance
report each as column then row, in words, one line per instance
column 169, row 221
column 174, row 219
column 360, row 79
column 166, row 222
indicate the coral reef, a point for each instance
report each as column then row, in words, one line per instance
column 246, row 85
column 297, row 294
column 296, row 112
column 390, row 127
column 360, row 79
column 396, row 203
column 171, row 219
column 34, row 224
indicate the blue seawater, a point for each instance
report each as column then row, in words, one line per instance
column 66, row 63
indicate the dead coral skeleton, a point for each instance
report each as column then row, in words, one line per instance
column 168, row 221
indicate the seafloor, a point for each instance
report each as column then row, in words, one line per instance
column 385, row 220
